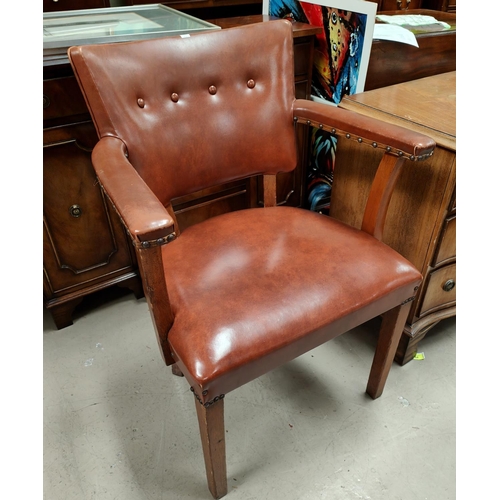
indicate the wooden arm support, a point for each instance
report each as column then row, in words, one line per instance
column 148, row 222
column 399, row 144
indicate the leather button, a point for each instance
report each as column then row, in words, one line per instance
column 251, row 84
column 174, row 97
column 212, row 89
column 140, row 102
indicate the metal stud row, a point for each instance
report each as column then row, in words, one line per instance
column 408, row 300
column 208, row 403
column 160, row 241
column 360, row 140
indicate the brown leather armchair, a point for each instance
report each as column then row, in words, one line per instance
column 232, row 297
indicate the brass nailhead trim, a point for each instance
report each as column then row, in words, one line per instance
column 140, row 102
column 208, row 403
column 347, row 135
column 408, row 300
column 160, row 241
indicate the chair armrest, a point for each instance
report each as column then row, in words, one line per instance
column 145, row 218
column 376, row 133
column 398, row 143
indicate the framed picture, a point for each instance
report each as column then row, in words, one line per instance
column 342, row 52
column 343, row 48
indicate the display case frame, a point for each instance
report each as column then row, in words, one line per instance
column 64, row 29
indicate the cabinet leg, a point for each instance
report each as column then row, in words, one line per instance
column 408, row 345
column 406, row 349
column 62, row 314
column 134, row 284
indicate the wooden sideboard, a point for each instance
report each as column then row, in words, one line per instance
column 424, row 200
column 85, row 248
column 393, row 62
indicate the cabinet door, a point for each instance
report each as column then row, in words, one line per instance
column 55, row 5
column 84, row 240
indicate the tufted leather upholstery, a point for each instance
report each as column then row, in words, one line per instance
column 164, row 115
column 240, row 294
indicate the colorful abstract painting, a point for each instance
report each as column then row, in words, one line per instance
column 341, row 58
column 343, row 48
column 320, row 170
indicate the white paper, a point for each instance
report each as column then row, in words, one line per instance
column 411, row 20
column 394, row 34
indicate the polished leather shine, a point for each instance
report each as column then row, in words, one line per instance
column 164, row 116
column 244, row 292
column 246, row 289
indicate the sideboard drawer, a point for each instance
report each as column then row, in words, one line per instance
column 62, row 98
column 441, row 289
column 447, row 247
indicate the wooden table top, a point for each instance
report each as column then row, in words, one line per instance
column 427, row 105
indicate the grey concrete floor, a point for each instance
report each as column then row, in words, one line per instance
column 119, row 425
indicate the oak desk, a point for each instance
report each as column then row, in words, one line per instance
column 424, row 194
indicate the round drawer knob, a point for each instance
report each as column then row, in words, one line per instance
column 75, row 211
column 449, row 285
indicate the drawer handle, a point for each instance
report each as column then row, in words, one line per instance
column 75, row 211
column 449, row 285
column 46, row 101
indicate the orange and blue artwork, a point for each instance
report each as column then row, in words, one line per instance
column 342, row 49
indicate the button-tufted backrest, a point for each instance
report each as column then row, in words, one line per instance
column 196, row 111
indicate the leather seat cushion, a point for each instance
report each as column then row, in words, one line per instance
column 247, row 288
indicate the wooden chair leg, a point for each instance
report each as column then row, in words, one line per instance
column 393, row 323
column 211, row 422
column 176, row 371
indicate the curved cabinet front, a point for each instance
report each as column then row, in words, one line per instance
column 85, row 247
